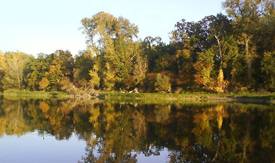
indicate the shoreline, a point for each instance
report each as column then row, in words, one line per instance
column 150, row 98
column 190, row 97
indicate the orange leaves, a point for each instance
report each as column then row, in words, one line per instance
column 44, row 83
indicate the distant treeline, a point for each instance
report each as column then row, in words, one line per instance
column 233, row 52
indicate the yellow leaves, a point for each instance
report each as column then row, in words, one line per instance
column 112, row 41
column 109, row 78
column 220, row 114
column 204, row 70
column 2, row 73
column 44, row 83
column 202, row 121
column 140, row 123
column 95, row 80
column 2, row 61
column 185, row 53
column 94, row 115
column 220, row 77
column 221, row 84
column 44, row 107
column 204, row 67
column 55, row 73
column 110, row 119
column 13, row 123
column 203, row 127
column 94, row 118
column 162, row 83
column 162, row 113
column 202, row 77
column 13, row 64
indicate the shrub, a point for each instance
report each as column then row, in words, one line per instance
column 162, row 83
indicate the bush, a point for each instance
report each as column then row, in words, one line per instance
column 162, row 83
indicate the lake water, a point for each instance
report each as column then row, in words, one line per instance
column 33, row 131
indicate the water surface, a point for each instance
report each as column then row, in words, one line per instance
column 85, row 131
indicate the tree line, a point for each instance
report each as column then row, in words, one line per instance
column 233, row 52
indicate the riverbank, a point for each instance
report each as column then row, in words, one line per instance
column 189, row 97
column 152, row 98
column 26, row 94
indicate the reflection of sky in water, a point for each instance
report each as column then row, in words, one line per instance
column 162, row 157
column 34, row 148
column 149, row 134
column 37, row 148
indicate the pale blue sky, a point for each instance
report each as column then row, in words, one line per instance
column 35, row 26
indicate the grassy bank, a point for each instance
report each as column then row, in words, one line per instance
column 152, row 98
column 188, row 97
column 26, row 94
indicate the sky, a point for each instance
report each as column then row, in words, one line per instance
column 43, row 26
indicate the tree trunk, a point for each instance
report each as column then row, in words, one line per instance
column 220, row 79
column 220, row 50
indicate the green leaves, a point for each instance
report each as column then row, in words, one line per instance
column 162, row 83
column 269, row 69
column 113, row 39
column 47, row 71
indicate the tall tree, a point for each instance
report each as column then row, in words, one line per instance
column 219, row 31
column 246, row 15
column 13, row 64
column 113, row 40
column 212, row 36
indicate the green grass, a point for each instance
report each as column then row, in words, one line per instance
column 26, row 94
column 187, row 97
column 254, row 97
column 153, row 98
column 252, row 94
column 159, row 98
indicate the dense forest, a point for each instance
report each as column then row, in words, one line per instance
column 232, row 52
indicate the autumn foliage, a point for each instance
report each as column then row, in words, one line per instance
column 232, row 52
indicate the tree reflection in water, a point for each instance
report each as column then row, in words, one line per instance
column 119, row 133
